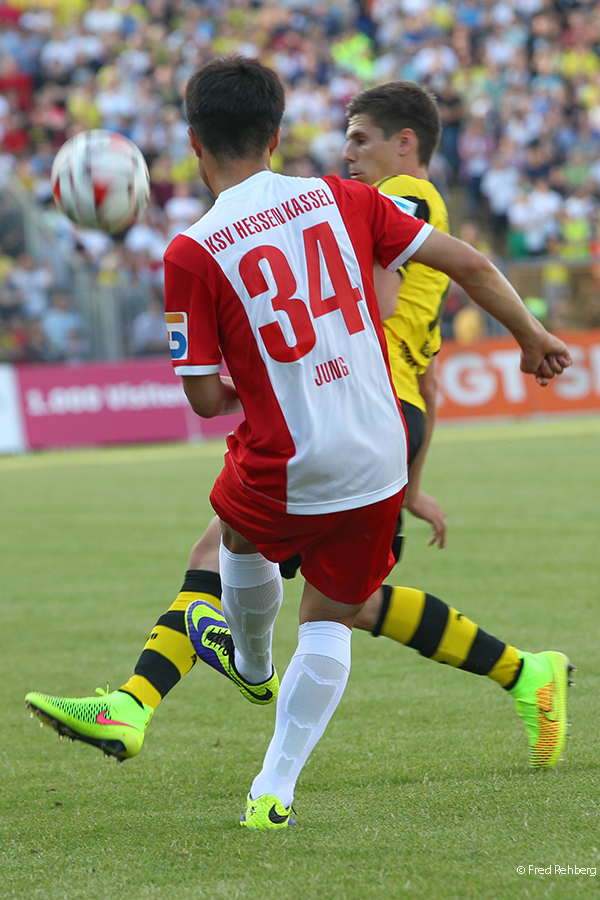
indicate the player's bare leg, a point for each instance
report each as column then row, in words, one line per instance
column 205, row 552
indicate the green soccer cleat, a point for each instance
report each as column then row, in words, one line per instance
column 115, row 722
column 211, row 638
column 541, row 701
column 265, row 813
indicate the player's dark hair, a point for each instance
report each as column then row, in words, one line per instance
column 398, row 105
column 235, row 105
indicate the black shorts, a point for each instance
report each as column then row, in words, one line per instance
column 415, row 425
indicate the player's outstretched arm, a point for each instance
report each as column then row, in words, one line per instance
column 542, row 354
column 211, row 395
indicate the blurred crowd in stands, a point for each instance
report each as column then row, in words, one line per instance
column 517, row 82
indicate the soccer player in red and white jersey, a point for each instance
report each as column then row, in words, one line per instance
column 277, row 281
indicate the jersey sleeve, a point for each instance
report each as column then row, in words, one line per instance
column 191, row 313
column 397, row 234
column 417, row 207
column 408, row 194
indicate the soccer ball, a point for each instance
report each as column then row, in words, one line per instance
column 100, row 180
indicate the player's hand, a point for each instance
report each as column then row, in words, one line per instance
column 425, row 507
column 549, row 357
column 552, row 365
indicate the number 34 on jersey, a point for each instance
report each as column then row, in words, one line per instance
column 320, row 247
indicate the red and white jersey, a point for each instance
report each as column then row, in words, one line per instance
column 277, row 279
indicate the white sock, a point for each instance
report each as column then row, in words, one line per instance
column 252, row 596
column 309, row 694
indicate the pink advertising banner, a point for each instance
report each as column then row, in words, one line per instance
column 109, row 403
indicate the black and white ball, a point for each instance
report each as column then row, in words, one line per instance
column 100, row 180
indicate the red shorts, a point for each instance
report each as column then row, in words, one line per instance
column 345, row 555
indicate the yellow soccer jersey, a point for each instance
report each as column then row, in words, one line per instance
column 413, row 332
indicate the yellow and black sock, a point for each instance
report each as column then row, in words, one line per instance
column 168, row 654
column 441, row 633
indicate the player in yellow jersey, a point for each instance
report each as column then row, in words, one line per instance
column 392, row 133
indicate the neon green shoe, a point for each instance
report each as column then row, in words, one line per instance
column 541, row 701
column 211, row 638
column 265, row 813
column 115, row 722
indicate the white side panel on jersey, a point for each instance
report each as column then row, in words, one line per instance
column 336, row 400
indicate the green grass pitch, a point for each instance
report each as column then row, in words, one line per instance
column 420, row 787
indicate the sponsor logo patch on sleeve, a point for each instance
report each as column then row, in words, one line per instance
column 407, row 206
column 177, row 331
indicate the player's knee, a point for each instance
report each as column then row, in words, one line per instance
column 368, row 616
column 234, row 541
column 205, row 552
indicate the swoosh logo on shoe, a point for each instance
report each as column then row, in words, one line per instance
column 547, row 702
column 267, row 695
column 276, row 818
column 196, row 616
column 102, row 720
column 200, row 611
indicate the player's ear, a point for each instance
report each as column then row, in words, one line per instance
column 408, row 142
column 274, row 142
column 194, row 142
